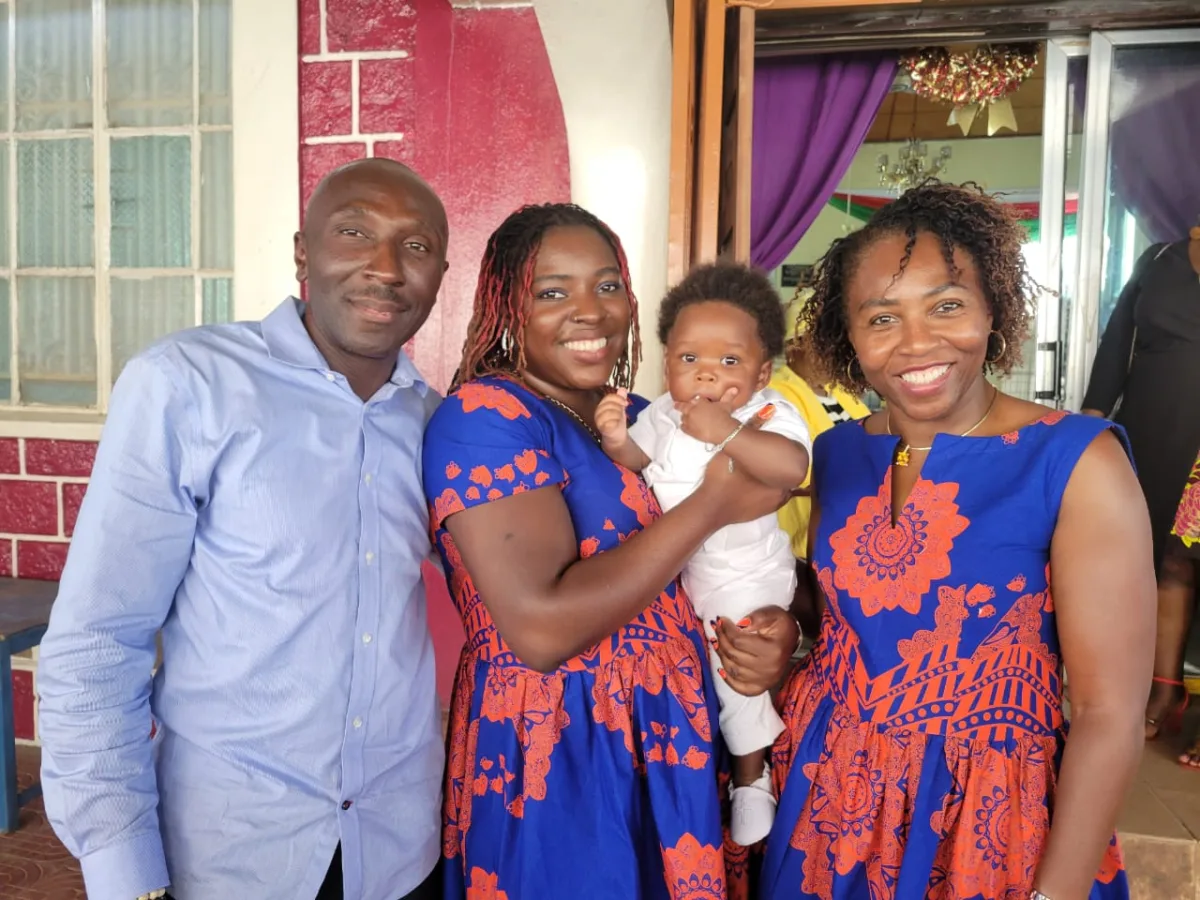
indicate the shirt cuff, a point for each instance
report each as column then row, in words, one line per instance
column 126, row 870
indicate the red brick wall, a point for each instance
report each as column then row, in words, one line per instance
column 41, row 486
column 465, row 96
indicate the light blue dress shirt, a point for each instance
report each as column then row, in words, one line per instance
column 247, row 503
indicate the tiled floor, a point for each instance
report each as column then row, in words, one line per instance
column 33, row 864
column 1160, row 831
column 1160, row 825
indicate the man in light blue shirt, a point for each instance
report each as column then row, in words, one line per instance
column 257, row 498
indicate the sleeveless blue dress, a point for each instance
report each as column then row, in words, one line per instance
column 925, row 731
column 602, row 779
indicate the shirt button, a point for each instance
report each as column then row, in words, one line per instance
column 370, row 556
column 367, row 478
column 366, row 638
column 346, row 804
column 357, row 722
column 329, row 376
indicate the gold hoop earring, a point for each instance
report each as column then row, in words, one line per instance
column 1003, row 348
column 850, row 379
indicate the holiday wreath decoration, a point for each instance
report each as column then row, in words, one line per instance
column 986, row 77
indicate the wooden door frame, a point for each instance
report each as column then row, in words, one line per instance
column 702, row 54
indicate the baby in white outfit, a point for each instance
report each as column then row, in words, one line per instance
column 721, row 327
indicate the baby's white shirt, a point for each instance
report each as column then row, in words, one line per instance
column 676, row 468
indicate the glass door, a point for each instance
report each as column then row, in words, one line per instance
column 1055, row 265
column 1140, row 180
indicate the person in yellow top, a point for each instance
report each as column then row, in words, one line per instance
column 822, row 407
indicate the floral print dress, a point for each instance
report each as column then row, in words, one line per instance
column 1186, row 527
column 599, row 780
column 924, row 733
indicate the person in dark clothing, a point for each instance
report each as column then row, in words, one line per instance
column 1146, row 375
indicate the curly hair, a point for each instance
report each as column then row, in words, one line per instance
column 495, row 335
column 738, row 285
column 960, row 217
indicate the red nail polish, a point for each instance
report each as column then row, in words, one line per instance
column 745, row 623
column 721, row 672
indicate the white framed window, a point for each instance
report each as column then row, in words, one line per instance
column 148, row 182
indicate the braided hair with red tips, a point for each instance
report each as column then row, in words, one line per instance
column 495, row 335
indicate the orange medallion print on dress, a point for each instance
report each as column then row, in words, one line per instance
column 886, row 566
column 924, row 731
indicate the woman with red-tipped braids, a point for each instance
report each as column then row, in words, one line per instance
column 583, row 752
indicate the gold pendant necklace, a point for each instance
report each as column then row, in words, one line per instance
column 574, row 415
column 590, row 429
column 902, row 452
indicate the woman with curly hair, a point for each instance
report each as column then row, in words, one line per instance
column 967, row 545
column 583, row 759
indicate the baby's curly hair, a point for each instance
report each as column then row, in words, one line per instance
column 959, row 216
column 733, row 283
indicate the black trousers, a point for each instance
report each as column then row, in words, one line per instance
column 429, row 889
column 331, row 888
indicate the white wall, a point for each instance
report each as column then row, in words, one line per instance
column 266, row 166
column 612, row 64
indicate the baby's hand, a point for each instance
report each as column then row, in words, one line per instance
column 710, row 421
column 610, row 418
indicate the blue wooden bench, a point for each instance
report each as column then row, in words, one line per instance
column 24, row 614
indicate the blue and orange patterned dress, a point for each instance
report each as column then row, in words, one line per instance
column 924, row 733
column 599, row 780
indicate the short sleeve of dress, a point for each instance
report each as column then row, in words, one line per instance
column 1067, row 438
column 484, row 443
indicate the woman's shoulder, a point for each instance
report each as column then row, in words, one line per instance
column 849, row 431
column 843, row 452
column 1045, row 427
column 487, row 397
column 638, row 403
column 1066, row 436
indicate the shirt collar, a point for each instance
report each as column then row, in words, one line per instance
column 288, row 342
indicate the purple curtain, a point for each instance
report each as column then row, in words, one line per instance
column 1154, row 140
column 811, row 114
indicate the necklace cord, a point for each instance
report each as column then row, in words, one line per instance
column 903, row 451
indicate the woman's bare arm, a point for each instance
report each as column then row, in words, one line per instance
column 549, row 605
column 1102, row 578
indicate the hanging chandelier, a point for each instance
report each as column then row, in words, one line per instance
column 912, row 167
